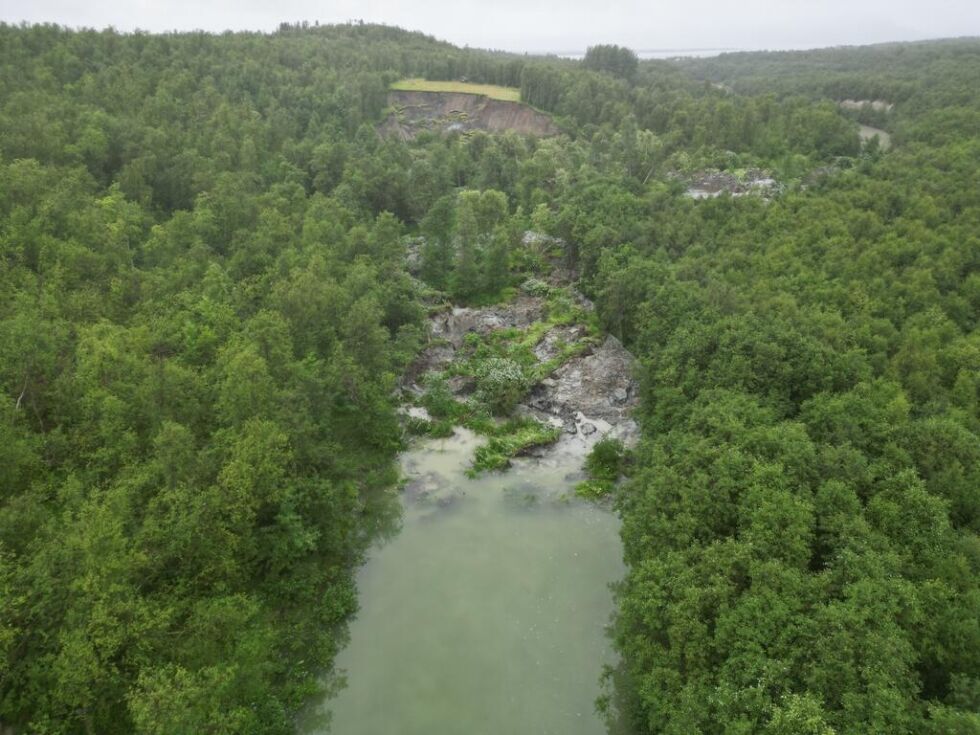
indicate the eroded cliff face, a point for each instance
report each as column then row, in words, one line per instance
column 414, row 112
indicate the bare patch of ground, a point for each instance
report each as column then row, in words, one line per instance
column 445, row 112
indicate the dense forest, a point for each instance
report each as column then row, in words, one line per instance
column 205, row 308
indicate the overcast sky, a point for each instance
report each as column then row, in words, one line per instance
column 548, row 25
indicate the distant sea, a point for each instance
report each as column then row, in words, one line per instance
column 659, row 53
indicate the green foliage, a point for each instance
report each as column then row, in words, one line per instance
column 439, row 400
column 593, row 489
column 438, row 429
column 535, row 287
column 800, row 542
column 501, row 383
column 615, row 60
column 204, row 308
column 511, row 439
column 604, row 465
column 484, row 238
column 507, row 94
column 437, row 228
column 606, row 460
column 199, row 344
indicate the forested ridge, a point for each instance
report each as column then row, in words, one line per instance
column 205, row 308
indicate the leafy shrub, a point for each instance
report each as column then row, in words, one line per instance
column 605, row 461
column 535, row 287
column 438, row 429
column 501, row 383
column 438, row 399
column 509, row 440
column 604, row 465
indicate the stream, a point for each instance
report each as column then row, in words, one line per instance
column 487, row 612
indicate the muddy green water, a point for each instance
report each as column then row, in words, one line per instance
column 487, row 612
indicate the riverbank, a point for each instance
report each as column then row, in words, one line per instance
column 487, row 612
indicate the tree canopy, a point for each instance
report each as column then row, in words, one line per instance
column 205, row 308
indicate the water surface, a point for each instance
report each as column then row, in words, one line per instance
column 486, row 614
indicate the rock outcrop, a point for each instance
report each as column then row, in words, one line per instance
column 590, row 395
column 709, row 184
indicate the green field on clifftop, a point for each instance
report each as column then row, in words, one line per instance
column 507, row 94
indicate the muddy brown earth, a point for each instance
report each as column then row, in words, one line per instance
column 445, row 112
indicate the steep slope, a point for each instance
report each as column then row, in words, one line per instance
column 413, row 112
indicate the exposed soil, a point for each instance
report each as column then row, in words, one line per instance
column 414, row 112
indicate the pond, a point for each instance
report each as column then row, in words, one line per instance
column 487, row 612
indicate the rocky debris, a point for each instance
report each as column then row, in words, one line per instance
column 866, row 133
column 415, row 412
column 552, row 343
column 562, row 273
column 454, row 112
column 599, row 384
column 709, row 184
column 453, row 326
column 448, row 329
column 591, row 395
column 628, row 432
column 434, row 358
column 413, row 254
column 439, row 355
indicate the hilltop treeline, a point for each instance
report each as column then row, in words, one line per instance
column 204, row 310
column 929, row 85
column 802, row 531
column 198, row 349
